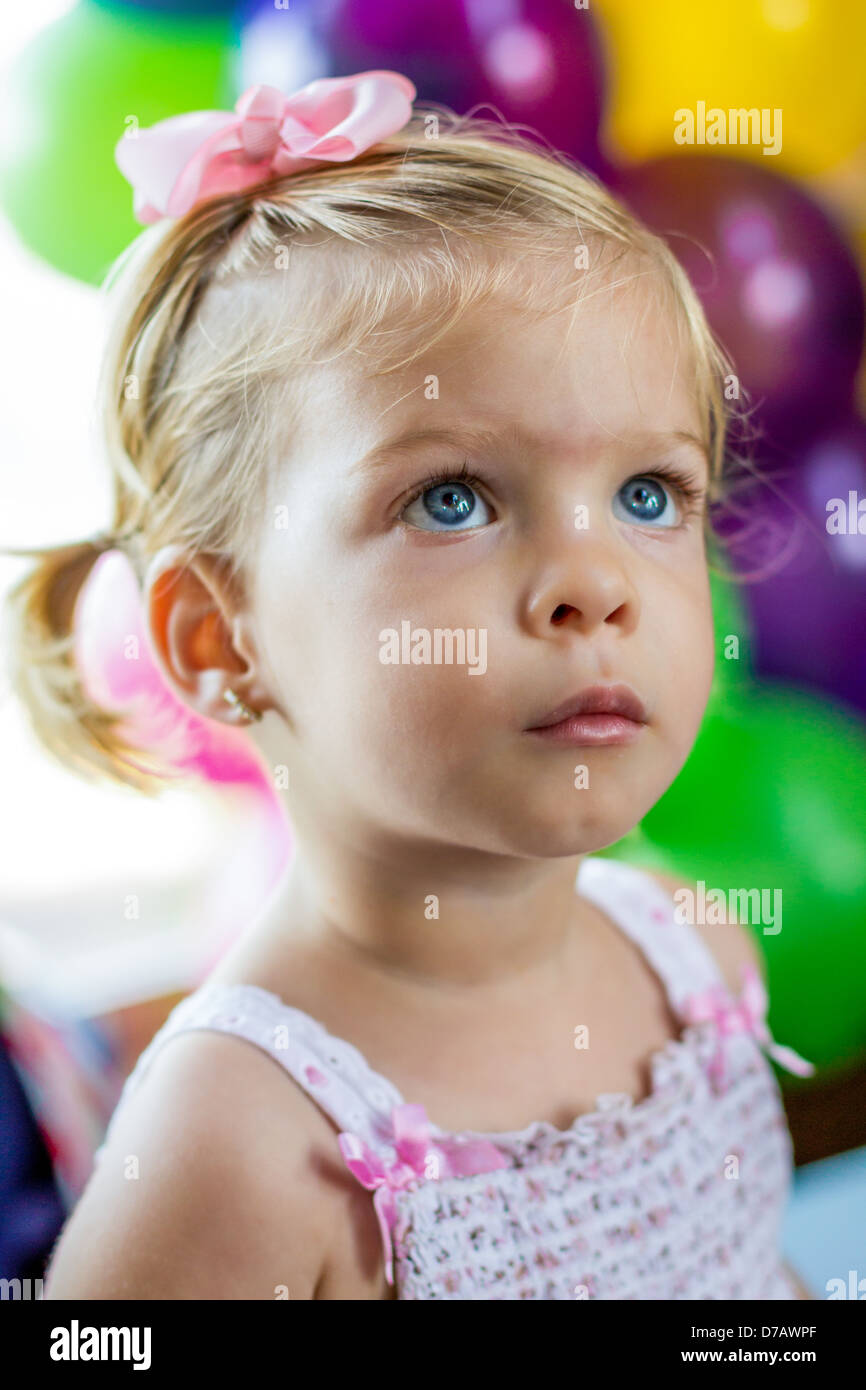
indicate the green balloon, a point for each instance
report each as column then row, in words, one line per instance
column 70, row 96
column 733, row 670
column 773, row 796
column 732, row 674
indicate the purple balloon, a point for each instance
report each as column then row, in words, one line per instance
column 538, row 62
column 808, row 614
column 284, row 48
column 782, row 291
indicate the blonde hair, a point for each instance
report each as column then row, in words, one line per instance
column 202, row 378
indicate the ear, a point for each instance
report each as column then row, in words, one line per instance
column 201, row 633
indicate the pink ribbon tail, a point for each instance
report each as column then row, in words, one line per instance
column 755, row 1002
column 415, row 1148
column 747, row 1014
column 383, row 1201
column 790, row 1060
column 368, row 1168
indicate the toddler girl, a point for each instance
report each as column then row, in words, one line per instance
column 414, row 431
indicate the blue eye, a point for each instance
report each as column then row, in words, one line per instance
column 645, row 499
column 447, row 503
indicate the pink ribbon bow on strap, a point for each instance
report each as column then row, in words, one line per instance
column 174, row 164
column 746, row 1015
column 415, row 1150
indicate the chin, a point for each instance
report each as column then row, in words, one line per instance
column 561, row 837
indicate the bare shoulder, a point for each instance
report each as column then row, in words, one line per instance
column 214, row 1185
column 733, row 944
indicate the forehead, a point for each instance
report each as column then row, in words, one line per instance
column 611, row 363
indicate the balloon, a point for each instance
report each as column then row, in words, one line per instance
column 843, row 191
column 803, row 60
column 69, row 97
column 773, row 796
column 284, row 48
column 779, row 283
column 536, row 61
column 733, row 668
column 807, row 536
column 178, row 7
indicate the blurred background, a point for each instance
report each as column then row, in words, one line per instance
column 113, row 906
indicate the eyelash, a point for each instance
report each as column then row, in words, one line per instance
column 691, row 492
column 445, row 475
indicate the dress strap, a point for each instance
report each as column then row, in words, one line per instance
column 696, row 988
column 332, row 1072
column 646, row 912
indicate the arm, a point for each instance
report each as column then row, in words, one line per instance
column 228, row 1203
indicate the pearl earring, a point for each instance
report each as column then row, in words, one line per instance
column 232, row 698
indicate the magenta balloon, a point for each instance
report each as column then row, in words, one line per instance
column 808, row 616
column 783, row 290
column 536, row 61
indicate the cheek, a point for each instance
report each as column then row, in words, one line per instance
column 688, row 653
column 427, row 708
column 337, row 646
column 416, row 591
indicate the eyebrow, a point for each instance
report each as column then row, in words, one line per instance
column 471, row 439
column 414, row 440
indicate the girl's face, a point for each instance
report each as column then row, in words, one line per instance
column 552, row 567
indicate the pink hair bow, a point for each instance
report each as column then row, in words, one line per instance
column 178, row 161
column 414, row 1149
column 744, row 1015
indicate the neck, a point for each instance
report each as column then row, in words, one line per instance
column 440, row 917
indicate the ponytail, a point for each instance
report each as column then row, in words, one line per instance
column 40, row 610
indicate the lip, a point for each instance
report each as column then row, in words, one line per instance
column 600, row 715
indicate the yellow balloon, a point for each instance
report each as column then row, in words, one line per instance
column 779, row 81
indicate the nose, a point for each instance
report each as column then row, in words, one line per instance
column 583, row 587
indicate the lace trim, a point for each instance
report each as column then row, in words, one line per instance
column 678, row 1061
